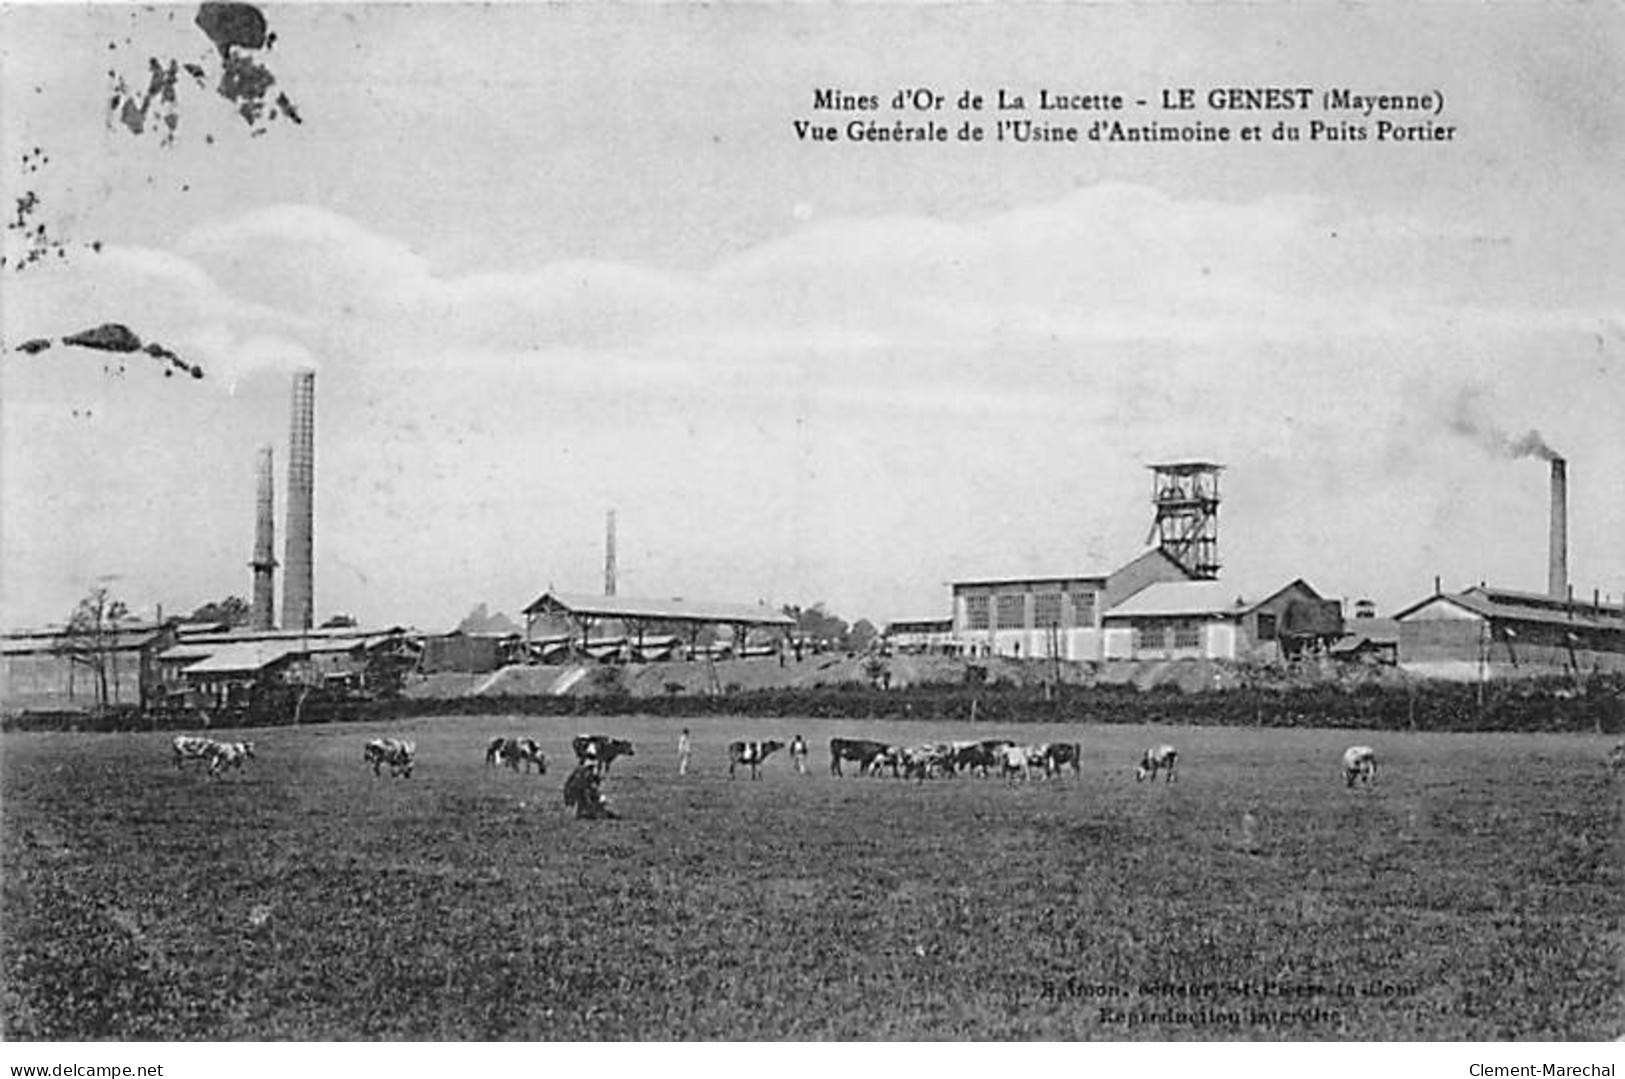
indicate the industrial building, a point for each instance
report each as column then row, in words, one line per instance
column 920, row 636
column 471, row 653
column 1208, row 620
column 1063, row 617
column 1486, row 632
column 54, row 670
column 1051, row 617
column 640, row 628
column 218, row 668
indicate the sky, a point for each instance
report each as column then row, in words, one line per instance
column 552, row 260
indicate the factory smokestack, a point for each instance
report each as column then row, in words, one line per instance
column 299, row 594
column 264, row 564
column 609, row 554
column 1557, row 573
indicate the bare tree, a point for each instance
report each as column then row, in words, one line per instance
column 91, row 641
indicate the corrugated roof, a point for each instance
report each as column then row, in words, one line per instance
column 188, row 653
column 1505, row 597
column 1103, row 579
column 1517, row 607
column 348, row 633
column 919, row 625
column 1358, row 631
column 194, row 650
column 1182, row 598
column 1186, row 468
column 1068, row 578
column 22, row 644
column 244, row 658
column 659, row 609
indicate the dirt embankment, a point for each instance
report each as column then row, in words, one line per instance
column 701, row 677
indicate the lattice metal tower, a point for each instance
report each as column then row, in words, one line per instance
column 1186, row 497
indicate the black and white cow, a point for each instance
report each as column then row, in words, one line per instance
column 981, row 757
column 1062, row 755
column 530, row 752
column 224, row 755
column 862, row 751
column 888, row 757
column 516, row 751
column 1359, row 763
column 1616, row 759
column 600, row 750
column 192, row 747
column 398, row 753
column 924, row 762
column 1161, row 758
column 751, row 754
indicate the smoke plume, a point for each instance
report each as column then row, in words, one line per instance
column 1468, row 419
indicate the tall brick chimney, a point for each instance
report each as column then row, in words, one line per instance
column 264, row 564
column 1557, row 568
column 298, row 570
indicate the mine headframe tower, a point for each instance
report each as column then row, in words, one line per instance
column 1186, row 528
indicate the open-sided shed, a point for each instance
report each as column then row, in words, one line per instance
column 641, row 620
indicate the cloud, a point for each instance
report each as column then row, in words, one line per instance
column 310, row 261
column 1108, row 271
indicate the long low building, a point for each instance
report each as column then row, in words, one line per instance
column 52, row 669
column 1495, row 632
column 641, row 619
column 920, row 635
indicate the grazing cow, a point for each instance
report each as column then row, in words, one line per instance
column 1359, row 763
column 1038, row 758
column 516, row 751
column 958, row 754
column 600, row 750
column 191, row 747
column 223, row 755
column 861, row 750
column 530, row 752
column 1616, row 759
column 922, row 762
column 1157, row 759
column 1061, row 755
column 981, row 757
column 398, row 753
column 752, row 754
column 583, row 794
column 888, row 757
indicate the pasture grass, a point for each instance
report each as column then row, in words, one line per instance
column 1474, row 893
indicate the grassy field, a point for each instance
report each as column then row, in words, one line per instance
column 1474, row 893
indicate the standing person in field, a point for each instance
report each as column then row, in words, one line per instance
column 798, row 753
column 684, row 749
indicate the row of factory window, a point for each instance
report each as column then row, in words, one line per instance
column 1153, row 635
column 1010, row 610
